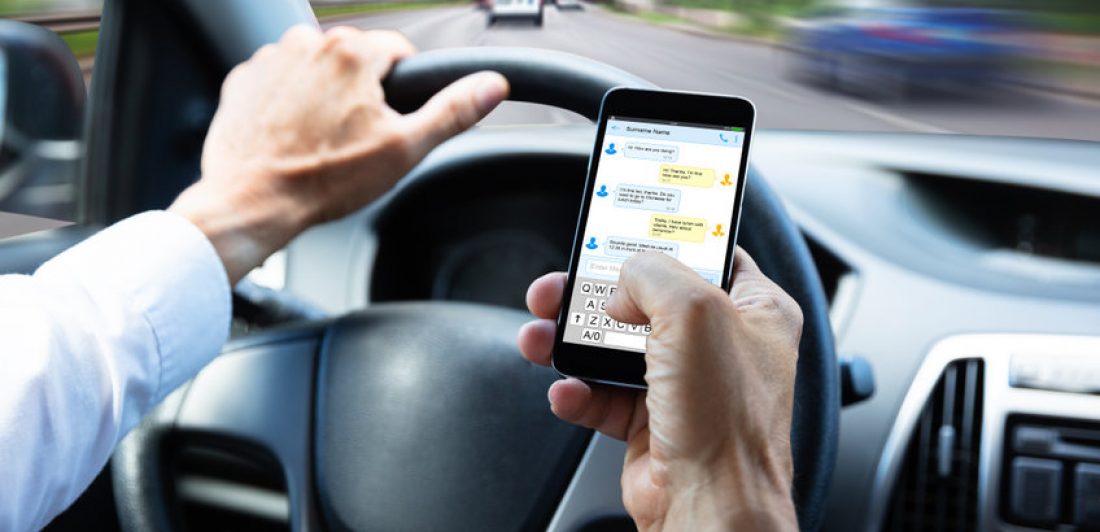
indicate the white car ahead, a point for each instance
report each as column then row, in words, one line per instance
column 515, row 9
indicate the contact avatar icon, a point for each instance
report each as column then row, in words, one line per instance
column 592, row 243
column 611, row 149
column 602, row 192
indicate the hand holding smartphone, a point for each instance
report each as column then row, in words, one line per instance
column 667, row 174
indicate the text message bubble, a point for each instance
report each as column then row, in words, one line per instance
column 690, row 176
column 647, row 198
column 682, row 228
column 653, row 152
column 625, row 247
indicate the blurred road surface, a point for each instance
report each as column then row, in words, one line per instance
column 678, row 60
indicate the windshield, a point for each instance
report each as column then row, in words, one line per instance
column 1027, row 68
column 1032, row 70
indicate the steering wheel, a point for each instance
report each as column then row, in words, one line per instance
column 417, row 416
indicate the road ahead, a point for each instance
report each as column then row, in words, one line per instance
column 674, row 59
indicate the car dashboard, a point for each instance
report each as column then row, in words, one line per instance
column 966, row 270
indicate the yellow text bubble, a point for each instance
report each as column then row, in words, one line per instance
column 682, row 228
column 691, row 176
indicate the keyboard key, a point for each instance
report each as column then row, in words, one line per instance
column 599, row 328
column 629, row 341
column 591, row 335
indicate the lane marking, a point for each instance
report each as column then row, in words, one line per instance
column 893, row 119
column 1059, row 96
column 765, row 85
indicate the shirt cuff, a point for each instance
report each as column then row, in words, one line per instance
column 172, row 275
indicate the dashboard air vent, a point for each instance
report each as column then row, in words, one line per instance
column 937, row 485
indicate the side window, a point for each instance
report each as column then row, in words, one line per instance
column 46, row 52
column 41, row 143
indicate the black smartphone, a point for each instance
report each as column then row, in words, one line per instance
column 667, row 174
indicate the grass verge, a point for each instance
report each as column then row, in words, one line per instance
column 323, row 12
column 1076, row 23
column 755, row 27
column 82, row 43
column 648, row 16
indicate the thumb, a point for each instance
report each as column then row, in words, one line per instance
column 748, row 281
column 754, row 294
column 653, row 286
column 454, row 109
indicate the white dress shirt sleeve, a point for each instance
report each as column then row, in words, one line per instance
column 89, row 343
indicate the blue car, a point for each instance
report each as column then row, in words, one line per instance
column 890, row 52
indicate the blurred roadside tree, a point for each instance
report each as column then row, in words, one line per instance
column 1029, row 5
column 749, row 6
column 1064, row 16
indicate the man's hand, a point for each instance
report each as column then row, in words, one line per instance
column 303, row 135
column 709, row 443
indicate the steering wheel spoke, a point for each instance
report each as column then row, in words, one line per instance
column 261, row 394
column 255, row 399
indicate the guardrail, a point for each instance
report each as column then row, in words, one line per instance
column 65, row 22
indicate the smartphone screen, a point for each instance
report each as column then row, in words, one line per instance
column 660, row 185
column 666, row 175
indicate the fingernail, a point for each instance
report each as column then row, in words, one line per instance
column 491, row 91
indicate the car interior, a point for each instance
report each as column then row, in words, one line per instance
column 950, row 287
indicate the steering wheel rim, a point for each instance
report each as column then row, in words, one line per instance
column 578, row 84
column 547, row 77
column 769, row 234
